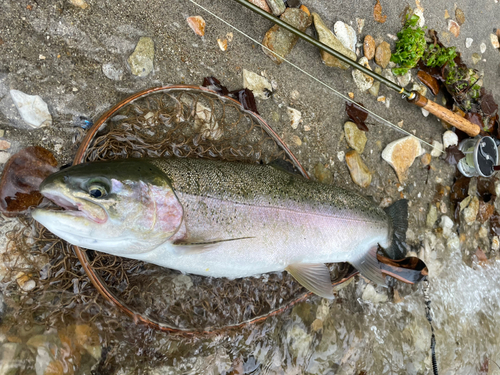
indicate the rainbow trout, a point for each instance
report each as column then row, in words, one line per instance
column 221, row 219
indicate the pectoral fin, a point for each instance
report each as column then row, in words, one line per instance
column 314, row 277
column 369, row 267
column 196, row 247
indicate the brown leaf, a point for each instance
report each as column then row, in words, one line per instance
column 453, row 155
column 488, row 104
column 459, row 189
column 357, row 114
column 429, row 81
column 377, row 13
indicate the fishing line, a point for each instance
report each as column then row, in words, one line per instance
column 339, row 94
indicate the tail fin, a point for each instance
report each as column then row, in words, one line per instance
column 398, row 213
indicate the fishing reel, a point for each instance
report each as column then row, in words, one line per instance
column 481, row 157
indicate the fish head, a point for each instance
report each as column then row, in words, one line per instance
column 119, row 207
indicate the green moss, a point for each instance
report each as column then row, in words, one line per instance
column 410, row 47
column 436, row 56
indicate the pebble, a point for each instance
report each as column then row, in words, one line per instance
column 279, row 40
column 262, row 4
column 361, row 23
column 363, row 81
column 470, row 212
column 141, row 60
column 323, row 174
column 32, row 109
column 197, row 24
column 360, row 173
column 112, row 72
column 383, row 54
column 476, row 57
column 371, row 295
column 426, row 159
column 277, row 7
column 4, row 157
column 447, row 225
column 460, row 16
column 446, row 14
column 346, row 35
column 405, row 79
column 80, row 3
column 369, row 47
column 482, row 47
column 374, row 90
column 297, row 140
column 355, row 138
column 449, row 139
column 468, row 42
column 437, row 149
column 387, row 73
column 341, row 156
column 259, row 85
column 401, row 154
column 495, row 243
column 494, row 41
column 4, row 145
column 425, row 112
column 454, row 28
column 222, row 44
column 432, row 216
column 24, row 282
column 421, row 89
column 421, row 20
column 295, row 117
column 327, row 37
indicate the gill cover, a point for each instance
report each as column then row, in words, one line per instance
column 120, row 207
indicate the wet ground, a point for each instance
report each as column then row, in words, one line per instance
column 58, row 50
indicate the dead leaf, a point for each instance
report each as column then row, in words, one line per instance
column 377, row 13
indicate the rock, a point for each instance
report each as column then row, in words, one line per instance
column 24, row 282
column 432, row 216
column 471, row 211
column 197, row 24
column 446, row 14
column 495, row 243
column 222, row 44
column 259, row 85
column 400, row 155
column 281, row 41
column 426, row 159
column 299, row 340
column 371, row 295
column 32, row 109
column 4, row 145
column 360, row 173
column 323, row 174
column 297, row 140
column 375, row 88
column 341, row 156
column 141, row 60
column 277, row 7
column 4, row 157
column 447, row 225
column 486, row 210
column 468, row 42
column 361, row 23
column 482, row 48
column 377, row 13
column 182, row 283
column 346, row 35
column 86, row 337
column 262, row 4
column 112, row 72
column 355, row 138
column 494, row 41
column 327, row 37
column 405, row 79
column 9, row 359
column 421, row 20
column 476, row 57
column 454, row 28
column 363, row 81
column 383, row 54
column 369, row 47
column 437, row 149
column 295, row 117
column 80, row 3
column 460, row 16
column 449, row 139
column 421, row 89
column 387, row 73
column 425, row 112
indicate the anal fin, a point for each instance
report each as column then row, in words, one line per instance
column 369, row 267
column 314, row 277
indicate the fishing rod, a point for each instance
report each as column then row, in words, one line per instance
column 411, row 96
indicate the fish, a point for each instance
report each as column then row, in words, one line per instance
column 222, row 219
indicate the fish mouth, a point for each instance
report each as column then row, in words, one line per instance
column 77, row 208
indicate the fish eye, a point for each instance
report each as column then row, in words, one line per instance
column 97, row 191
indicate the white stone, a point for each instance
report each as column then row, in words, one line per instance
column 482, row 47
column 401, row 154
column 494, row 41
column 4, row 156
column 468, row 42
column 449, row 139
column 346, row 35
column 437, row 149
column 447, row 225
column 495, row 243
column 405, row 79
column 295, row 117
column 259, row 85
column 420, row 13
column 425, row 112
column 363, row 81
column 32, row 108
column 341, row 156
column 112, row 72
column 371, row 295
column 361, row 24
